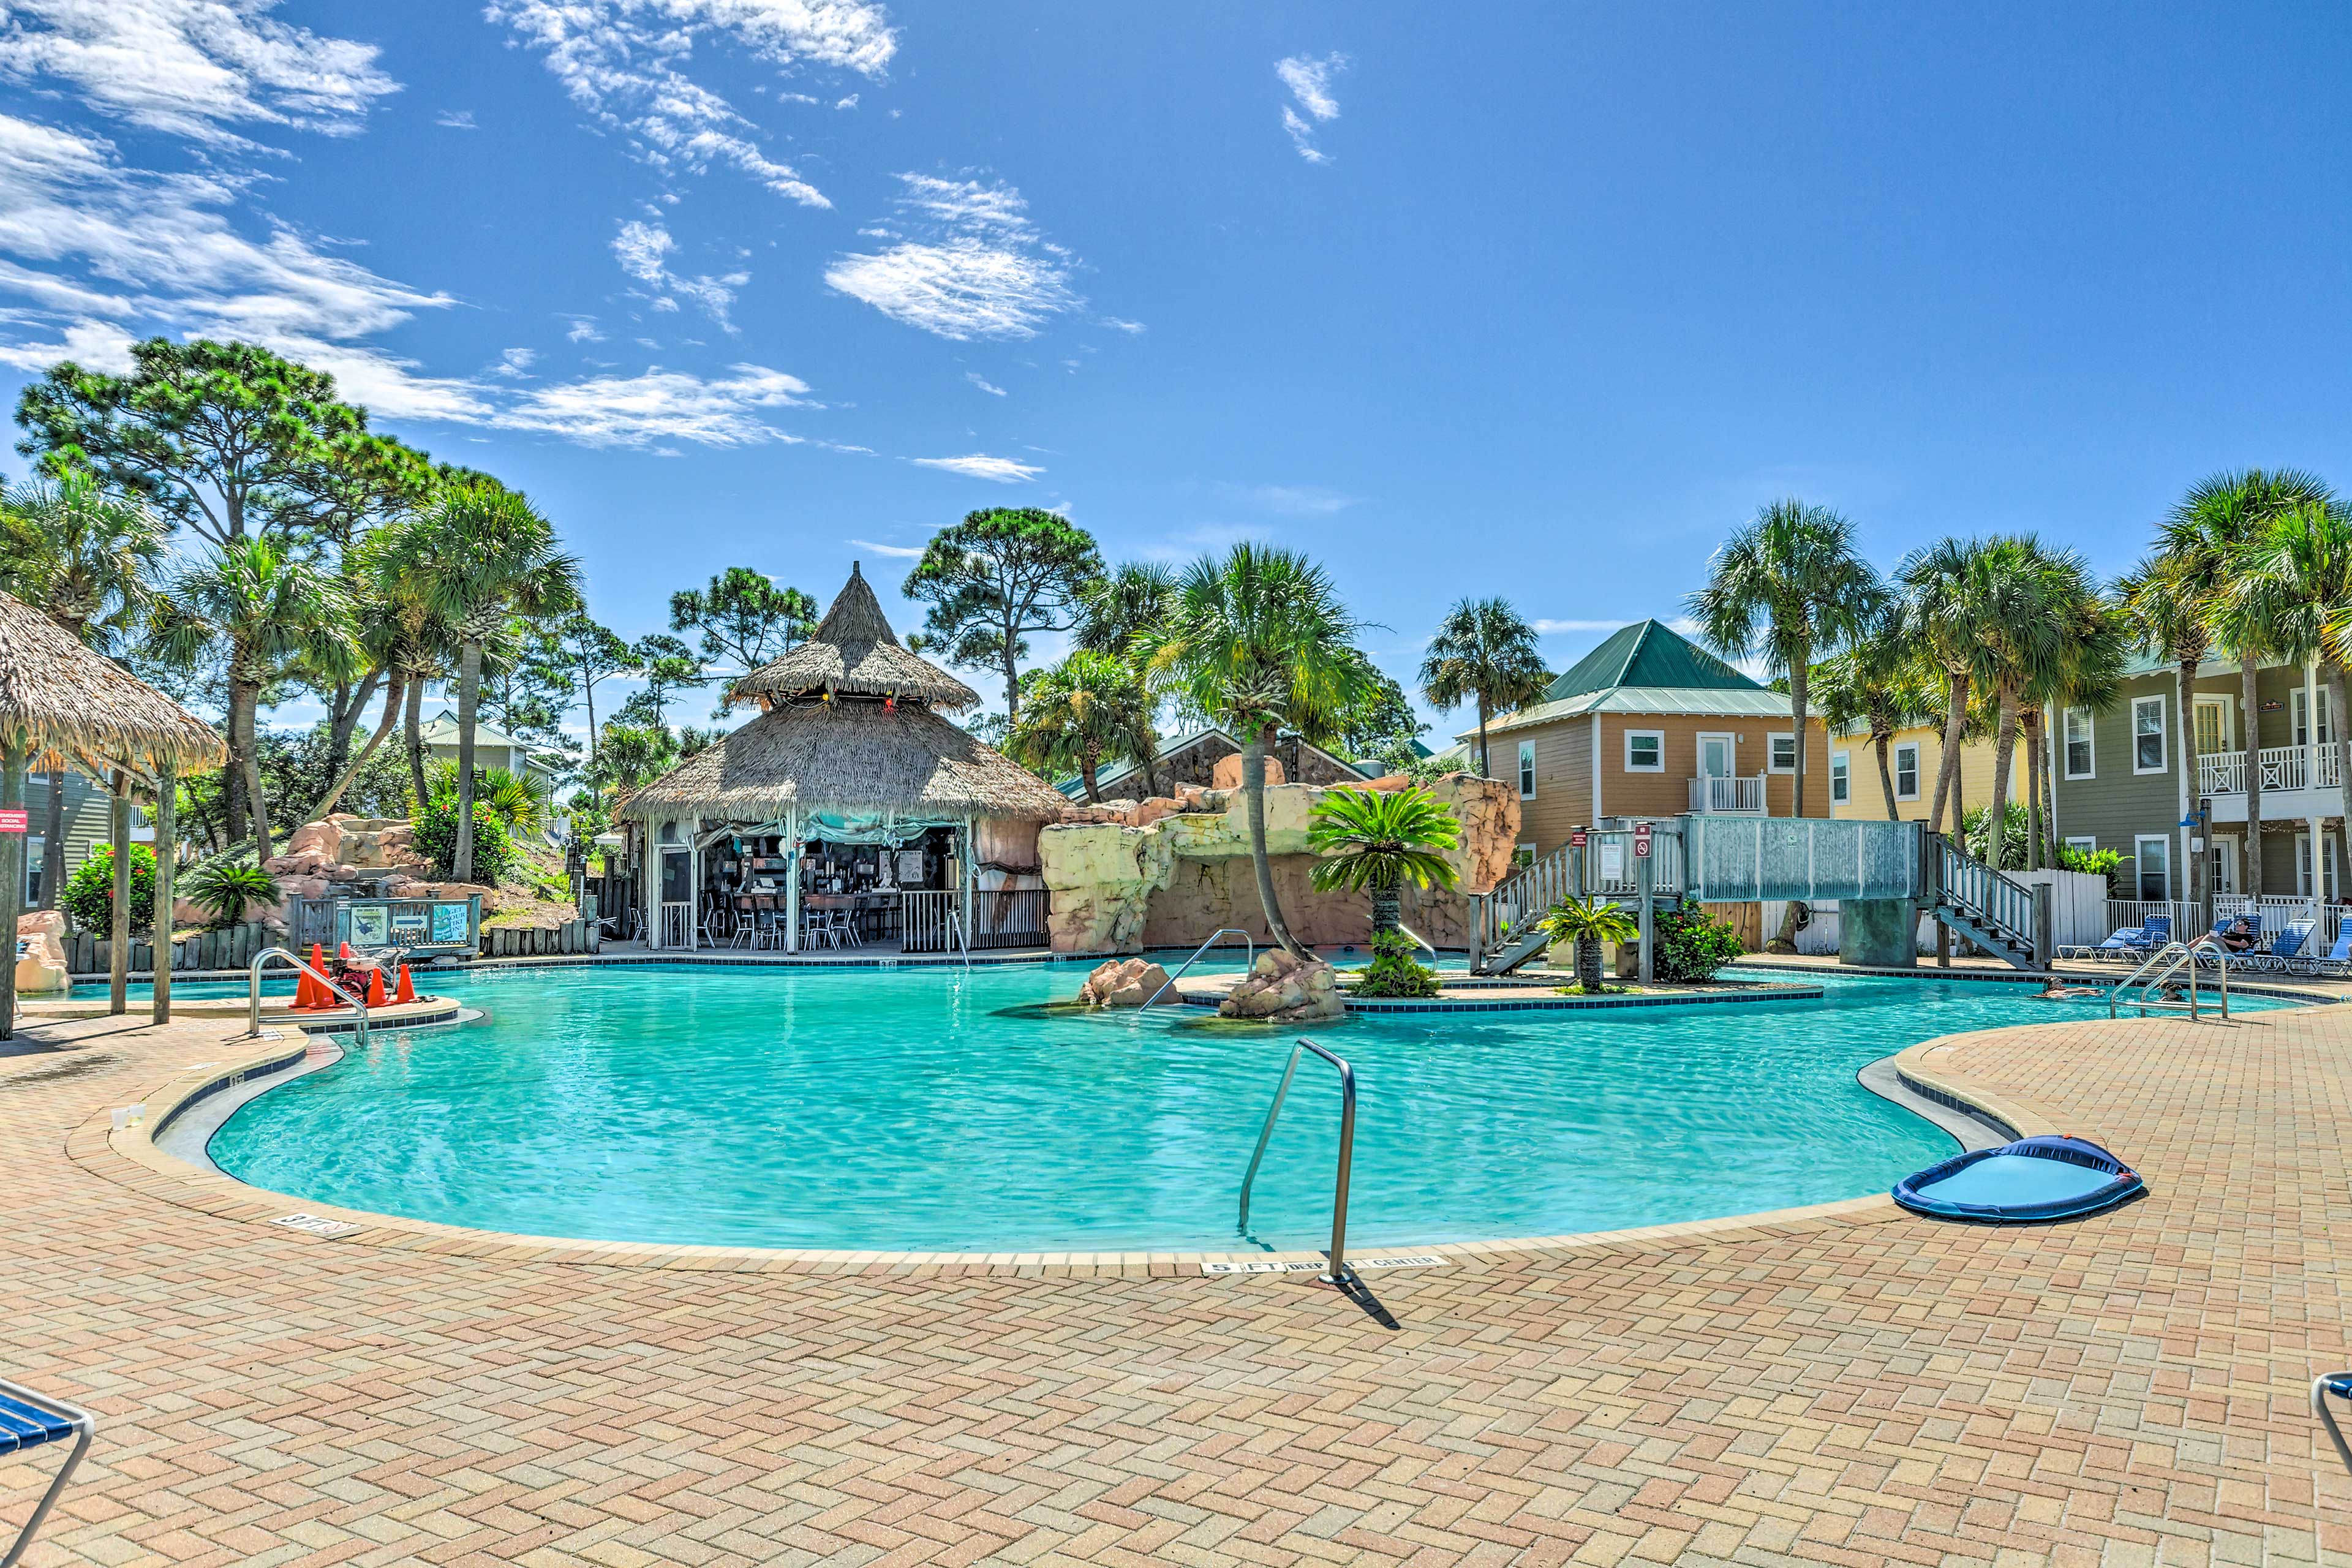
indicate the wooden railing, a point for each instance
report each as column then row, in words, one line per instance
column 1738, row 796
column 2284, row 767
column 1999, row 905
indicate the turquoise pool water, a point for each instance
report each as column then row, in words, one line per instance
column 937, row 1109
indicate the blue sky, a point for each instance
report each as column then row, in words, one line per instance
column 1527, row 299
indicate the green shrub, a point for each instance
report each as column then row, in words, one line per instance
column 436, row 837
column 89, row 894
column 1392, row 972
column 224, row 888
column 1690, row 945
column 2095, row 862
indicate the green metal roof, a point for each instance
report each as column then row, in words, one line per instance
column 1648, row 654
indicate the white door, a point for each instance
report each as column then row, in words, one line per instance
column 2225, row 865
column 1716, row 757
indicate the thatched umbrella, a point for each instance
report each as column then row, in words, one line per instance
column 65, row 703
column 850, row 727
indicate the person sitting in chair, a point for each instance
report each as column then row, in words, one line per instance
column 2238, row 936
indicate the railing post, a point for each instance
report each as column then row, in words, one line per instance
column 2045, row 944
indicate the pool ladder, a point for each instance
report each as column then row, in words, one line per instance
column 1247, row 940
column 1339, row 1273
column 2166, row 961
column 252, row 1010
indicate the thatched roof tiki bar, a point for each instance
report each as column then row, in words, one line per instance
column 62, row 705
column 848, row 813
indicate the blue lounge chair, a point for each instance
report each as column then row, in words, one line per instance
column 2335, row 964
column 2123, row 940
column 2205, row 956
column 28, row 1420
column 2338, row 1383
column 2282, row 952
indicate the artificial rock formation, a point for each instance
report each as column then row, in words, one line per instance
column 41, row 953
column 1173, row 869
column 1123, row 983
column 338, row 849
column 1283, row 989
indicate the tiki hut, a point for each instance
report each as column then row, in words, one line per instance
column 848, row 812
column 63, row 705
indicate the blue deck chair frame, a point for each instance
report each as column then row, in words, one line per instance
column 2122, row 940
column 2336, row 1385
column 2336, row 961
column 2205, row 958
column 2282, row 952
column 30, row 1420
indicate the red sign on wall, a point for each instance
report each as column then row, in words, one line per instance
column 1577, row 838
column 14, row 819
column 1642, row 841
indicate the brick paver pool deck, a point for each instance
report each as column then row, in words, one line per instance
column 1854, row 1386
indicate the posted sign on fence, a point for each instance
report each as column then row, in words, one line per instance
column 1642, row 841
column 15, row 819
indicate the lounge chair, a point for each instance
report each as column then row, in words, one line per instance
column 2206, row 958
column 2282, row 952
column 2338, row 1383
column 28, row 1420
column 2122, row 940
column 2336, row 964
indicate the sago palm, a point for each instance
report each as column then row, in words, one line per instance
column 480, row 556
column 1483, row 653
column 1375, row 841
column 1588, row 922
column 1259, row 640
column 1076, row 713
column 1788, row 586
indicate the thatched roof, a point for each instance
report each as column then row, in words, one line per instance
column 854, row 651
column 856, row 757
column 66, row 701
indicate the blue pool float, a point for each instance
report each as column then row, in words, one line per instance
column 2032, row 1179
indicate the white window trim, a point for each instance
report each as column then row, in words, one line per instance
column 2226, row 729
column 1772, row 745
column 2164, row 842
column 2329, row 869
column 2228, row 868
column 2066, row 744
column 1634, row 767
column 1912, row 747
column 2084, row 842
column 2163, row 733
column 1840, row 778
column 1526, row 770
column 2295, row 726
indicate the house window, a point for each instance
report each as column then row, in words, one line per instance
column 1783, row 754
column 2086, row 843
column 2302, row 864
column 1645, row 751
column 2225, row 866
column 2152, row 852
column 1525, row 855
column 2327, row 719
column 2082, row 760
column 2148, row 734
column 1840, row 778
column 1906, row 770
column 1526, row 770
column 2213, row 725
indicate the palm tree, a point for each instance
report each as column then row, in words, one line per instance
column 2203, row 535
column 2294, row 578
column 1375, row 841
column 1945, row 611
column 90, row 560
column 1875, row 681
column 1588, row 922
column 1484, row 653
column 1111, row 611
column 480, row 556
column 1260, row 640
column 264, row 608
column 1077, row 712
column 1786, row 587
column 2052, row 634
column 2164, row 601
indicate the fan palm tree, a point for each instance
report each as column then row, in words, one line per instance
column 1588, row 922
column 2294, row 578
column 2052, row 634
column 90, row 560
column 1483, row 653
column 1375, row 841
column 1788, row 586
column 1111, row 611
column 1879, row 682
column 263, row 608
column 480, row 556
column 1076, row 713
column 2205, row 533
column 1945, row 611
column 1259, row 640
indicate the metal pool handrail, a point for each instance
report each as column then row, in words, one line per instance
column 2338, row 1383
column 2172, row 956
column 253, row 1014
column 1339, row 1273
column 1247, row 940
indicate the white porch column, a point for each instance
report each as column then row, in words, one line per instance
column 792, row 878
column 971, row 875
column 2316, row 823
column 653, row 881
column 694, row 882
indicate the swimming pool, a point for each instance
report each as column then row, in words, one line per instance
column 934, row 1109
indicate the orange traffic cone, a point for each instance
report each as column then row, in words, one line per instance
column 343, row 953
column 309, row 993
column 407, row 992
column 375, row 989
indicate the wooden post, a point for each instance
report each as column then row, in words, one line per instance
column 160, row 939
column 971, row 874
column 12, row 877
column 118, row 958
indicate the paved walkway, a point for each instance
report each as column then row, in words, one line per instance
column 1854, row 1387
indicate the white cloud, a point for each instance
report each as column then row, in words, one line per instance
column 980, row 381
column 848, row 102
column 1002, row 470
column 192, row 67
column 620, row 59
column 896, row 552
column 1310, row 81
column 582, row 331
column 93, row 345
column 1288, row 501
column 643, row 251
column 1546, row 628
column 456, row 119
column 514, row 362
column 1119, row 325
column 980, row 270
column 659, row 406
